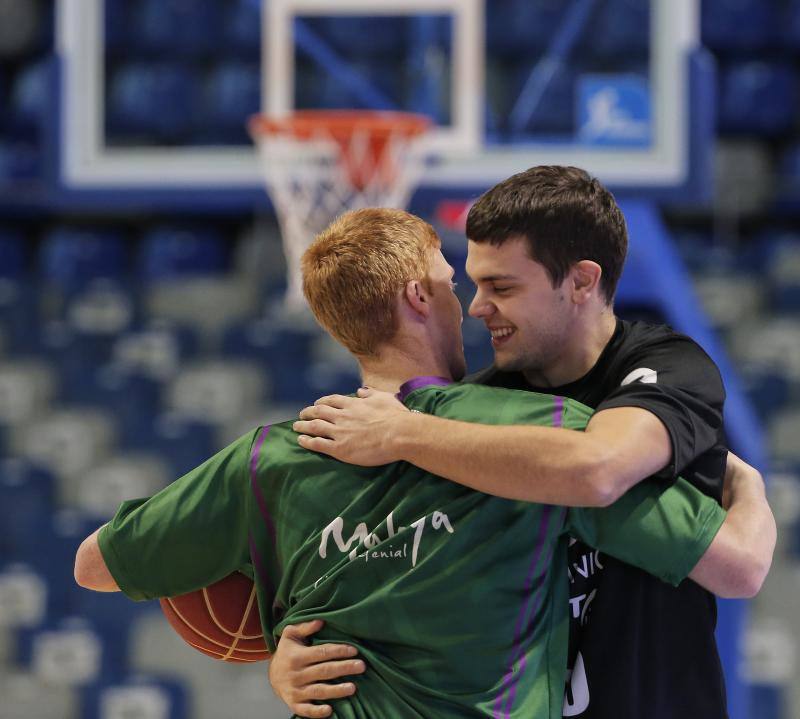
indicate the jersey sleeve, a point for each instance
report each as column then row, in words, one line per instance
column 680, row 384
column 189, row 535
column 662, row 530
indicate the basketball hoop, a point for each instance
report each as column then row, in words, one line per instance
column 318, row 164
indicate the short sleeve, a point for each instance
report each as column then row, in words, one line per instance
column 662, row 530
column 189, row 535
column 680, row 384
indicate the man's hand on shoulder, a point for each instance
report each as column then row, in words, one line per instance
column 298, row 672
column 358, row 430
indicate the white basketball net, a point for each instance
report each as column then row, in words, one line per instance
column 310, row 184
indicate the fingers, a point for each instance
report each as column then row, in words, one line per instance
column 316, row 427
column 339, row 401
column 363, row 392
column 328, row 652
column 300, row 702
column 305, row 630
column 320, row 411
column 330, row 670
column 311, row 710
column 317, row 444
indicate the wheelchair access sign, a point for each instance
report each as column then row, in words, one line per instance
column 614, row 110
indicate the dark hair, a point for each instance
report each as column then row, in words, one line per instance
column 566, row 216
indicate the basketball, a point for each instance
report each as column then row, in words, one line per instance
column 220, row 620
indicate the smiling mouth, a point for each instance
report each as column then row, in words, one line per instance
column 501, row 335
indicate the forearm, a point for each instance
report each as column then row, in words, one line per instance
column 738, row 560
column 534, row 464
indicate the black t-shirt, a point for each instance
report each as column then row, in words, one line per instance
column 639, row 648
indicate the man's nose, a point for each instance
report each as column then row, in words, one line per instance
column 479, row 307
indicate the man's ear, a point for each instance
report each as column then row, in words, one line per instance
column 584, row 280
column 417, row 298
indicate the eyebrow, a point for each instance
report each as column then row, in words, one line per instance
column 496, row 278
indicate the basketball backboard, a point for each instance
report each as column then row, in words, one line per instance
column 602, row 84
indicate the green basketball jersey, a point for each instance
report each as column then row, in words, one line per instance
column 456, row 600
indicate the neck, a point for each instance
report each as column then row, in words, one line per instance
column 394, row 366
column 579, row 354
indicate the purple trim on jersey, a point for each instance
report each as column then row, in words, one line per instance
column 426, row 381
column 537, row 600
column 558, row 411
column 258, row 564
column 505, row 701
column 509, row 680
column 260, row 501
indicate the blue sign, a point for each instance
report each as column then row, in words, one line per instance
column 614, row 110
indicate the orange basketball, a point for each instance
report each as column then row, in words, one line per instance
column 221, row 620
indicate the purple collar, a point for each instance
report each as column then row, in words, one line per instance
column 408, row 387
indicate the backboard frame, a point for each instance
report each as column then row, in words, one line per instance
column 86, row 163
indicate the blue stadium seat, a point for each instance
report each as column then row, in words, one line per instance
column 285, row 351
column 26, row 495
column 112, row 614
column 133, row 398
column 76, row 357
column 520, row 29
column 183, row 443
column 324, row 378
column 27, row 387
column 788, row 172
column 73, row 651
column 23, row 596
column 701, row 252
column 155, row 349
column 739, row 25
column 77, row 439
column 169, row 252
column 59, row 535
column 768, row 389
column 242, row 30
column 233, row 93
column 152, row 101
column 101, row 309
column 174, row 28
column 754, row 255
column 19, row 308
column 769, row 701
column 783, row 272
column 124, row 476
column 14, row 254
column 758, row 98
column 70, row 257
column 217, row 391
column 140, row 696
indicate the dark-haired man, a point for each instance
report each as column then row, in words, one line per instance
column 417, row 572
column 546, row 250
